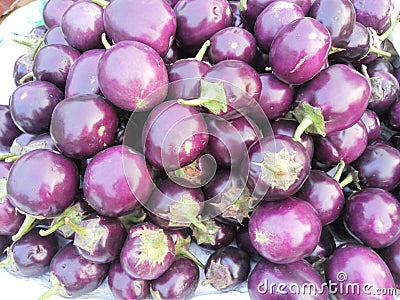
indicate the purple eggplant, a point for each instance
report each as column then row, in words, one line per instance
column 228, row 198
column 217, row 235
column 232, row 43
column 53, row 62
column 22, row 66
column 172, row 206
column 372, row 124
column 123, row 286
column 148, row 252
column 338, row 16
column 273, row 18
column 341, row 234
column 141, row 80
column 82, row 25
column 278, row 167
column 308, row 43
column 363, row 269
column 42, row 97
column 285, row 231
column 54, row 10
column 54, row 36
column 174, row 135
column 325, row 194
column 73, row 276
column 394, row 115
column 390, row 255
column 198, row 20
column 95, row 130
column 334, row 100
column 82, row 77
column 5, row 241
column 380, row 64
column 370, row 15
column 31, row 255
column 346, row 145
column 226, row 268
column 47, row 195
column 324, row 249
column 129, row 20
column 178, row 282
column 174, row 54
column 230, row 89
column 237, row 17
column 377, row 230
column 119, row 192
column 8, row 130
column 379, row 167
column 273, row 281
column 243, row 242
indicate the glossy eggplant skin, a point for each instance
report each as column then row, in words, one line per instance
column 178, row 282
column 8, row 130
column 370, row 15
column 372, row 124
column 392, row 259
column 77, row 275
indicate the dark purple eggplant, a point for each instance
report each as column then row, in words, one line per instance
column 172, row 206
column 325, row 194
column 82, row 25
column 391, row 257
column 54, row 36
column 150, row 22
column 119, row 192
column 334, row 100
column 125, row 287
column 341, row 234
column 237, row 17
column 226, row 268
column 324, row 249
column 243, row 242
column 299, row 50
column 173, row 136
column 141, row 80
column 273, row 18
column 5, row 241
column 178, row 282
column 174, row 54
column 148, row 252
column 8, row 130
column 361, row 267
column 53, row 11
column 370, row 15
column 380, row 64
column 216, row 236
column 32, row 104
column 53, row 62
column 285, row 231
column 31, row 255
column 198, row 20
column 394, row 115
column 378, row 229
column 47, row 195
column 232, row 43
column 22, row 66
column 372, row 124
column 278, row 167
column 338, row 16
column 95, row 130
column 73, row 276
column 379, row 167
column 274, row 281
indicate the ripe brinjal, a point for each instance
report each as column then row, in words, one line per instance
column 53, row 11
column 285, row 231
column 391, row 257
column 55, row 36
column 243, row 242
column 148, row 252
column 371, row 15
column 22, row 66
column 372, row 124
column 8, row 130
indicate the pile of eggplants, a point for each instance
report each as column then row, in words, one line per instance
column 267, row 132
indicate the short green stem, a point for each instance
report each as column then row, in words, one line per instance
column 5, row 156
column 102, row 3
column 346, row 181
column 4, row 263
column 26, row 77
column 50, row 292
column 21, row 40
column 364, row 71
column 79, row 230
column 301, row 128
column 189, row 255
column 389, row 31
column 200, row 226
column 104, row 41
column 52, row 229
column 12, row 158
column 194, row 102
column 380, row 52
column 334, row 50
column 199, row 56
column 35, row 51
column 268, row 69
column 26, row 226
column 242, row 5
column 339, row 170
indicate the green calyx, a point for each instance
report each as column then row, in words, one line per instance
column 182, row 248
column 207, row 236
column 310, row 118
column 242, row 5
column 3, row 190
column 57, row 288
column 212, row 97
column 218, row 275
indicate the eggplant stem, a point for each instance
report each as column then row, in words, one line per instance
column 5, row 262
column 50, row 292
column 102, row 3
column 301, row 128
column 242, row 5
column 339, row 170
column 348, row 179
column 79, row 230
column 21, row 40
column 364, row 71
column 52, row 229
column 196, row 223
column 191, row 256
column 199, row 56
column 5, row 156
column 389, row 31
column 26, row 226
column 12, row 158
column 380, row 52
column 194, row 102
column 25, row 77
column 35, row 51
column 104, row 41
